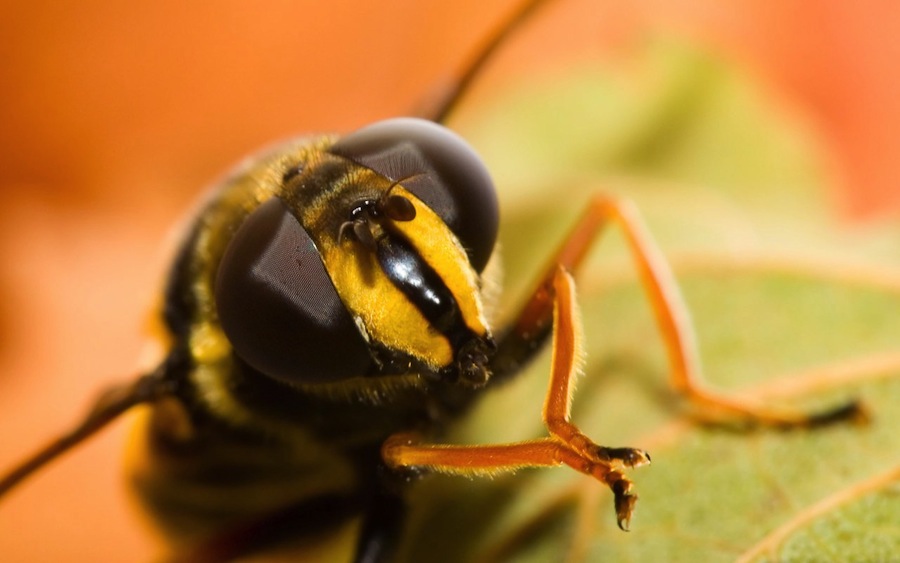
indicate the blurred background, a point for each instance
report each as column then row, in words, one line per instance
column 115, row 116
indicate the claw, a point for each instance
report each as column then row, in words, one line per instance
column 624, row 502
column 854, row 412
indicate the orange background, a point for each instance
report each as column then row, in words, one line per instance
column 114, row 116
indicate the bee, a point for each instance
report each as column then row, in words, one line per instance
column 327, row 320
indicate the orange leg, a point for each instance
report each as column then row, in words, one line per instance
column 552, row 305
column 565, row 445
column 672, row 319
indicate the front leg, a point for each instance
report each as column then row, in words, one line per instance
column 566, row 444
column 531, row 327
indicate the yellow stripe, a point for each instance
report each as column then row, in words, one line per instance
column 446, row 256
column 387, row 316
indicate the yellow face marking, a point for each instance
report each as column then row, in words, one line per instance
column 385, row 313
column 446, row 256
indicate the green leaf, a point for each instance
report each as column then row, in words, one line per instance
column 736, row 192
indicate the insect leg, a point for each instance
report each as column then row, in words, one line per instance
column 109, row 405
column 672, row 318
column 565, row 445
column 382, row 527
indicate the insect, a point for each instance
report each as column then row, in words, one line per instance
column 372, row 247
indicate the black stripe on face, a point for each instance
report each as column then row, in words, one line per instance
column 423, row 287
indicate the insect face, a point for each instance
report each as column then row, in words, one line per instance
column 364, row 261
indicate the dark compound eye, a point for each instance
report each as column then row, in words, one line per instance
column 278, row 307
column 440, row 168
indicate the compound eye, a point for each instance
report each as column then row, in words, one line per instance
column 440, row 168
column 278, row 307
